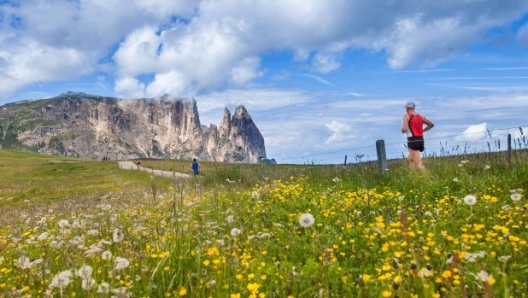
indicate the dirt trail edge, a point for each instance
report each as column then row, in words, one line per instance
column 128, row 165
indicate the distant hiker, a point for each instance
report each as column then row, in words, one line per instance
column 413, row 126
column 195, row 166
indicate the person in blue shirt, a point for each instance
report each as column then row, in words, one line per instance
column 195, row 166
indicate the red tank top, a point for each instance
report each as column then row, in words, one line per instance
column 416, row 125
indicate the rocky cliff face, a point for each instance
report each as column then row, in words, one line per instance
column 82, row 125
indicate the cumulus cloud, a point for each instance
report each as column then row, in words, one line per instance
column 412, row 39
column 474, row 133
column 129, row 87
column 138, row 54
column 211, row 43
column 172, row 82
column 247, row 70
column 340, row 132
column 25, row 62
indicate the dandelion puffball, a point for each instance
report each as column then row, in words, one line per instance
column 516, row 197
column 470, row 200
column 63, row 223
column 306, row 220
column 121, row 263
column 235, row 232
column 117, row 236
column 106, row 255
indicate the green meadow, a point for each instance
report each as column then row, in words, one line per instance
column 83, row 228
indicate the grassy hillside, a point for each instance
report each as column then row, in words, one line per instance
column 34, row 178
column 87, row 228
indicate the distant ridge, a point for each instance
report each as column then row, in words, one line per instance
column 99, row 127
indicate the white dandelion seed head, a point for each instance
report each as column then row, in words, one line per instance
column 255, row 195
column 428, row 213
column 306, row 220
column 120, row 292
column 486, row 167
column 230, row 219
column 103, row 288
column 63, row 223
column 470, row 200
column 88, row 284
column 61, row 280
column 117, row 236
column 43, row 236
column 455, row 179
column 235, row 232
column 85, row 272
column 76, row 224
column 121, row 263
column 516, row 197
column 23, row 263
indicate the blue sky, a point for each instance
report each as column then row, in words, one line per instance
column 321, row 78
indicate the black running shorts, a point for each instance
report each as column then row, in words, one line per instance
column 416, row 143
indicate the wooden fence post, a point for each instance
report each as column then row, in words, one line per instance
column 382, row 157
column 509, row 149
column 345, row 159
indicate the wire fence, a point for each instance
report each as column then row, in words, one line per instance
column 501, row 139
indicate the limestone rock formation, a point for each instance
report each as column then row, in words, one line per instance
column 83, row 125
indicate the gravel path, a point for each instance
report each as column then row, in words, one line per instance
column 128, row 165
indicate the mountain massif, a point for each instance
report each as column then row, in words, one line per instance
column 98, row 127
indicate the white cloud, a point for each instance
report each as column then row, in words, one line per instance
column 138, row 54
column 163, row 8
column 196, row 48
column 340, row 132
column 25, row 62
column 129, row 88
column 247, row 70
column 172, row 82
column 413, row 38
column 214, row 42
column 325, row 63
column 474, row 133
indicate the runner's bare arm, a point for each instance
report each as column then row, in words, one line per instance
column 428, row 124
column 405, row 124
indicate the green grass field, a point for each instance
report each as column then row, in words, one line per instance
column 84, row 228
